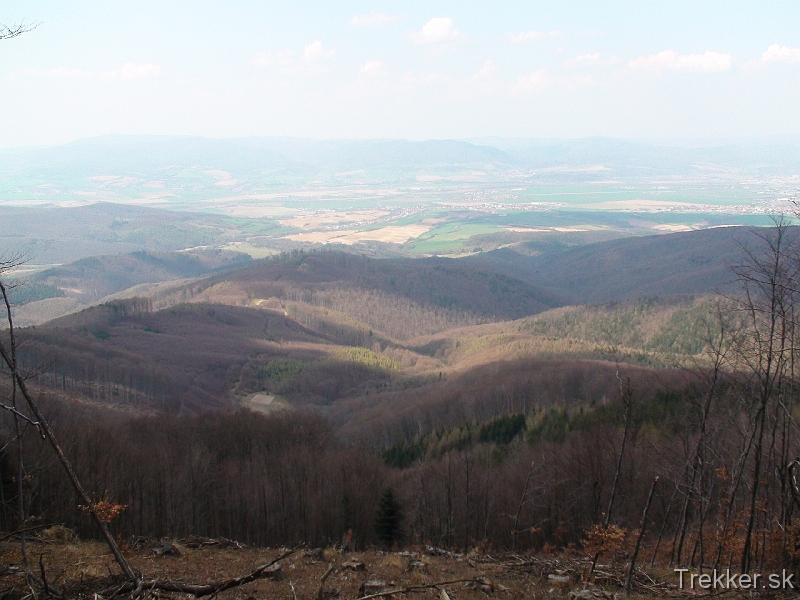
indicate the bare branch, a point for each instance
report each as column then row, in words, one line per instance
column 322, row 582
column 25, row 530
column 24, row 417
column 13, row 260
column 416, row 588
column 199, row 591
column 18, row 382
column 6, row 32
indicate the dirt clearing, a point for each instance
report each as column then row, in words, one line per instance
column 82, row 569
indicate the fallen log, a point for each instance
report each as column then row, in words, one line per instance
column 320, row 592
column 418, row 588
column 196, row 541
column 266, row 570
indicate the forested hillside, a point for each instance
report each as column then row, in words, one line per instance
column 694, row 262
column 91, row 279
column 401, row 298
column 199, row 355
column 516, row 432
column 61, row 290
column 187, row 358
column 404, row 298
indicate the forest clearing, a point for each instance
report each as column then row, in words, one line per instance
column 86, row 570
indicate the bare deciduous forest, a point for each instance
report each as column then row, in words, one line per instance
column 526, row 454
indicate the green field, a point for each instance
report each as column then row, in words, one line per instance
column 450, row 237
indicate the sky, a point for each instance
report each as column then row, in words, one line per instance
column 412, row 70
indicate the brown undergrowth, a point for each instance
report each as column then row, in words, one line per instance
column 87, row 570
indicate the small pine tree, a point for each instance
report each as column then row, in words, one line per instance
column 389, row 518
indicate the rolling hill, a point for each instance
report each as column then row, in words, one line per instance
column 198, row 356
column 188, row 358
column 65, row 289
column 90, row 279
column 50, row 235
column 401, row 298
column 322, row 328
column 192, row 166
column 694, row 262
column 448, row 378
column 404, row 298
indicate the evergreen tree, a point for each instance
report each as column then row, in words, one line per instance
column 389, row 518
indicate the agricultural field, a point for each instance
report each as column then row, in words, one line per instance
column 425, row 199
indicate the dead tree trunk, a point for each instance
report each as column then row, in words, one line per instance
column 626, row 392
column 642, row 528
column 44, row 427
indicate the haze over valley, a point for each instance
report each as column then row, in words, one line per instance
column 350, row 301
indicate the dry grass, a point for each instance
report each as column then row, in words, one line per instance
column 264, row 403
column 84, row 568
column 394, row 234
column 312, row 221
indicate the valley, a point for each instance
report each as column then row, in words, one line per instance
column 506, row 368
column 409, row 361
column 262, row 196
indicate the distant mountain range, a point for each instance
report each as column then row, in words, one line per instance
column 768, row 156
column 191, row 165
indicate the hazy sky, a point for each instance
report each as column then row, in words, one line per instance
column 400, row 69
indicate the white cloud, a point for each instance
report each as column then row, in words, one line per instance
column 707, row 62
column 133, row 71
column 777, row 53
column 439, row 30
column 532, row 36
column 587, row 59
column 314, row 51
column 487, row 71
column 373, row 19
column 483, row 82
column 374, row 68
column 533, row 81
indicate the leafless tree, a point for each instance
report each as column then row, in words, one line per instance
column 626, row 396
column 7, row 32
column 8, row 354
column 9, row 349
column 767, row 278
